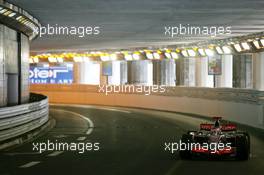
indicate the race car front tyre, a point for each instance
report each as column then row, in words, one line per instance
column 186, row 154
column 243, row 147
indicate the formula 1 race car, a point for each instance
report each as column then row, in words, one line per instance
column 220, row 140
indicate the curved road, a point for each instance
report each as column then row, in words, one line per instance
column 130, row 141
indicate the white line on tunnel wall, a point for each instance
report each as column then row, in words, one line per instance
column 81, row 138
column 30, row 164
column 22, row 153
column 56, row 153
column 91, row 125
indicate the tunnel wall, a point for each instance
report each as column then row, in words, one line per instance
column 239, row 105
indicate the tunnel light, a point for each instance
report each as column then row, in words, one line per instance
column 26, row 23
column 209, row 52
column 77, row 59
column 60, row 60
column 31, row 60
column 191, row 53
column 128, row 57
column 201, row 52
column 93, row 53
column 35, row 59
column 174, row 55
column 136, row 56
column 113, row 57
column 86, row 58
column 97, row 53
column 105, row 57
column 226, row 50
column 18, row 18
column 8, row 12
column 168, row 55
column 3, row 11
column 149, row 55
column 23, row 21
column 12, row 14
column 245, row 46
column 256, row 44
column 185, row 53
column 52, row 59
column 219, row 50
column 238, row 47
column 46, row 65
column 156, row 55
column 262, row 42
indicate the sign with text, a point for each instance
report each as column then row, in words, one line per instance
column 51, row 75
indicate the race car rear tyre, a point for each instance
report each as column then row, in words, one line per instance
column 243, row 147
column 186, row 154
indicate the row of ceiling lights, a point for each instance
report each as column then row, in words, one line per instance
column 210, row 51
column 20, row 18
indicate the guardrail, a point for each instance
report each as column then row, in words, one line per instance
column 249, row 96
column 245, row 106
column 20, row 119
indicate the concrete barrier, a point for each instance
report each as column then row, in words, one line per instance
column 238, row 105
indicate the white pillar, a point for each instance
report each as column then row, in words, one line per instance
column 164, row 72
column 186, row 71
column 123, row 72
column 226, row 79
column 76, row 72
column 201, row 75
column 89, row 73
column 140, row 72
column 258, row 71
column 115, row 78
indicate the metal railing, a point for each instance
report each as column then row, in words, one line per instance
column 20, row 119
column 250, row 96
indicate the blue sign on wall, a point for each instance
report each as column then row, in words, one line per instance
column 107, row 68
column 51, row 75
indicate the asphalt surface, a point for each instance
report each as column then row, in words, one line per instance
column 120, row 141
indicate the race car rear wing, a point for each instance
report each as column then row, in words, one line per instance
column 206, row 126
column 225, row 127
column 229, row 127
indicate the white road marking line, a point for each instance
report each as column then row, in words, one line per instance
column 56, row 153
column 30, row 164
column 60, row 136
column 81, row 138
column 94, row 107
column 174, row 168
column 25, row 153
column 117, row 110
column 91, row 125
column 89, row 131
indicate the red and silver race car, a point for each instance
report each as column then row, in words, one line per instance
column 216, row 139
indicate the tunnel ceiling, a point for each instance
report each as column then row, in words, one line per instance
column 139, row 23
